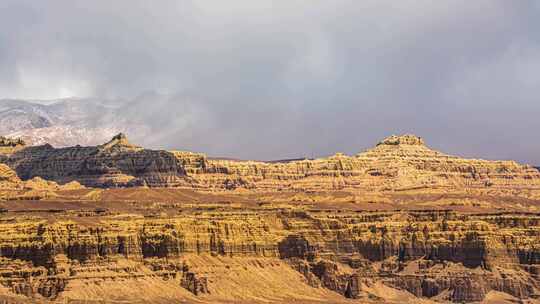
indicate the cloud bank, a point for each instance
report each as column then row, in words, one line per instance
column 274, row 79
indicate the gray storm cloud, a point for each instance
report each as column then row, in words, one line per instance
column 274, row 79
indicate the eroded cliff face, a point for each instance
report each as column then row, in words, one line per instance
column 116, row 163
column 440, row 255
column 396, row 223
column 396, row 163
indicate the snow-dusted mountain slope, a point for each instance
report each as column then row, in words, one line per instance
column 65, row 122
column 151, row 119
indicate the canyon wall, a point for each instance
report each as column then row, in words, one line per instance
column 114, row 164
column 437, row 254
column 366, row 227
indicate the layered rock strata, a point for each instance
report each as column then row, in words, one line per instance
column 116, row 163
column 8, row 178
column 396, row 163
column 436, row 254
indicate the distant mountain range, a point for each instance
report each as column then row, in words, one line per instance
column 63, row 123
column 89, row 121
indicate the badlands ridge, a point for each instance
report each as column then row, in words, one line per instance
column 398, row 223
column 396, row 163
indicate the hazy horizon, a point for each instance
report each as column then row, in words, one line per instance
column 267, row 80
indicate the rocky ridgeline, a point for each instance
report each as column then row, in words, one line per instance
column 442, row 255
column 396, row 163
column 116, row 163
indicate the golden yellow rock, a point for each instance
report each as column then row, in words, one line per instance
column 396, row 163
column 398, row 223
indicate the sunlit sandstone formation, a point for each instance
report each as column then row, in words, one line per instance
column 441, row 254
column 396, row 163
column 13, row 188
column 369, row 227
column 8, row 178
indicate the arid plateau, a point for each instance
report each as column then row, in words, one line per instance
column 397, row 223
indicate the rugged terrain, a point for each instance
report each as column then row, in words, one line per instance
column 397, row 223
column 394, row 164
column 116, row 163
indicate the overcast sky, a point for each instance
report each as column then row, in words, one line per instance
column 273, row 79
